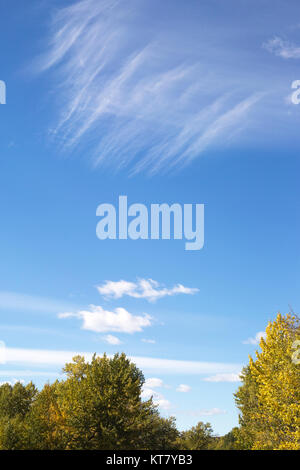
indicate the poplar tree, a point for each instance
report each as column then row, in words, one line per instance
column 269, row 399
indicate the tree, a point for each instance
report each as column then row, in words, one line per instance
column 199, row 437
column 16, row 399
column 46, row 423
column 246, row 400
column 98, row 406
column 15, row 403
column 269, row 398
column 162, row 433
column 227, row 442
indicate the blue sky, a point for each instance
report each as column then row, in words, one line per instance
column 162, row 102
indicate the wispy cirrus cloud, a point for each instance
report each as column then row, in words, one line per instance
column 132, row 94
column 100, row 320
column 209, row 412
column 223, row 378
column 142, row 289
column 282, row 48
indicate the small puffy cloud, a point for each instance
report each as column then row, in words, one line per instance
column 183, row 388
column 150, row 341
column 256, row 339
column 282, row 48
column 100, row 320
column 223, row 378
column 110, row 339
column 153, row 382
column 147, row 393
column 158, row 398
column 142, row 289
column 162, row 403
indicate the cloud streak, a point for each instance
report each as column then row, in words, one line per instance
column 28, row 373
column 223, row 378
column 25, row 302
column 206, row 412
column 149, row 364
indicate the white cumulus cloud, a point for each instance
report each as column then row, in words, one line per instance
column 100, row 320
column 153, row 382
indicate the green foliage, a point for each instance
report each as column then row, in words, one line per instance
column 227, row 442
column 247, row 401
column 15, row 404
column 98, row 406
column 199, row 437
column 16, row 400
column 45, row 423
column 102, row 405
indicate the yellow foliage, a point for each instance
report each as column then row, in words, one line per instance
column 277, row 376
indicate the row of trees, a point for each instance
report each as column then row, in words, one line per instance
column 99, row 406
